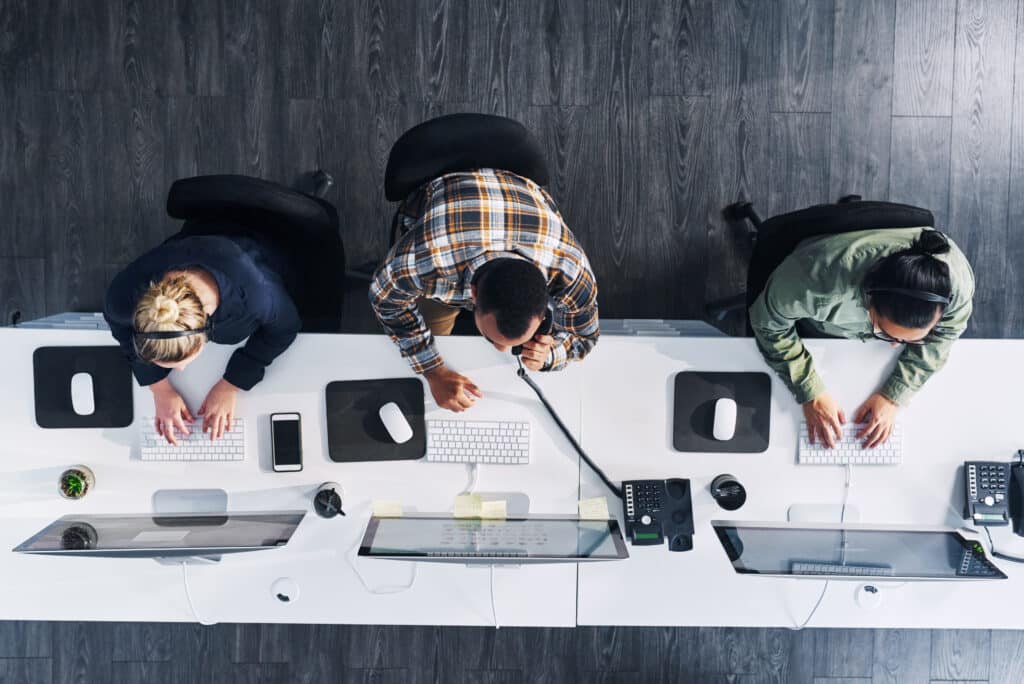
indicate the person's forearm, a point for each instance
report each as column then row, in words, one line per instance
column 916, row 364
column 162, row 387
column 786, row 355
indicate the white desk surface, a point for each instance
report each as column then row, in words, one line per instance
column 624, row 393
column 968, row 411
column 238, row 588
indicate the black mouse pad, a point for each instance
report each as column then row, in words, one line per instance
column 694, row 411
column 354, row 429
column 52, row 370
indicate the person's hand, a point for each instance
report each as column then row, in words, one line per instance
column 878, row 414
column 824, row 420
column 171, row 412
column 218, row 408
column 451, row 390
column 536, row 351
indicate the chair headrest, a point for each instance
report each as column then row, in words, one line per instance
column 203, row 197
column 461, row 142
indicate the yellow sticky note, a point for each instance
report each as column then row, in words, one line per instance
column 387, row 509
column 494, row 510
column 594, row 509
column 467, row 506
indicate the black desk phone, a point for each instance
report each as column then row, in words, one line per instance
column 987, row 492
column 655, row 509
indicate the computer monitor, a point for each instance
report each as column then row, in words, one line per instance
column 520, row 540
column 853, row 551
column 163, row 536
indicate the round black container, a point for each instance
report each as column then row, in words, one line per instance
column 728, row 492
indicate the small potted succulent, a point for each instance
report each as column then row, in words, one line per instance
column 75, row 482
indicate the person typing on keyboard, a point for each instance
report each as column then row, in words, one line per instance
column 491, row 242
column 910, row 287
column 166, row 305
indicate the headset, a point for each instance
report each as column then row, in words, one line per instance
column 922, row 295
column 174, row 334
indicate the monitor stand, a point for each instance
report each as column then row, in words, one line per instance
column 822, row 513
column 517, row 504
column 200, row 501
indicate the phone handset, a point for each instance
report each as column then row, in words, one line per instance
column 543, row 329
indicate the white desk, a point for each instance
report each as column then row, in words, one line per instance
column 969, row 411
column 238, row 588
column 624, row 392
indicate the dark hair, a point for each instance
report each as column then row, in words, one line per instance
column 908, row 286
column 514, row 291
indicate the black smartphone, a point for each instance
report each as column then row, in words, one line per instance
column 286, row 437
column 543, row 329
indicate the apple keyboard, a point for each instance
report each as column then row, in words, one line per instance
column 850, row 449
column 474, row 441
column 196, row 446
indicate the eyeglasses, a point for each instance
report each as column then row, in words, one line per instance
column 885, row 337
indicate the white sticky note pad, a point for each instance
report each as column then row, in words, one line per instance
column 387, row 509
column 594, row 509
column 494, row 510
column 467, row 506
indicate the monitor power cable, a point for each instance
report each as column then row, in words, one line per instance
column 615, row 489
column 352, row 556
column 842, row 548
column 188, row 596
column 494, row 611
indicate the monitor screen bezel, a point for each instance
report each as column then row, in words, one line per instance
column 141, row 552
column 865, row 527
column 365, row 546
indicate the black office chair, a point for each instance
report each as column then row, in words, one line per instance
column 459, row 142
column 303, row 227
column 776, row 238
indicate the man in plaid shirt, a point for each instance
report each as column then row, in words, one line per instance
column 494, row 243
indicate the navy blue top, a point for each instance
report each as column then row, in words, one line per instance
column 253, row 303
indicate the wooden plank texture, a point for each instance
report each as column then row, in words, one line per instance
column 862, row 67
column 923, row 72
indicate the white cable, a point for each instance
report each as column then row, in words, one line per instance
column 473, row 474
column 351, row 557
column 494, row 611
column 188, row 595
column 842, row 546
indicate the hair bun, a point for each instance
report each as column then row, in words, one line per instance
column 930, row 243
column 165, row 310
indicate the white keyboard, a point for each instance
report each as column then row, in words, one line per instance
column 850, row 449
column 470, row 441
column 195, row 447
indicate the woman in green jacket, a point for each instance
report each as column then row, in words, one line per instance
column 906, row 286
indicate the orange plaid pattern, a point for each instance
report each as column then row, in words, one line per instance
column 460, row 221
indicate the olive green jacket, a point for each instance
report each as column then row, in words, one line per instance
column 820, row 283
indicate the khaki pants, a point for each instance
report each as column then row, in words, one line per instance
column 439, row 317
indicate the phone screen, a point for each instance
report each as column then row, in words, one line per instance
column 287, row 450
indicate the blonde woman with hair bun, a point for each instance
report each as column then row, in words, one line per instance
column 249, row 254
column 193, row 289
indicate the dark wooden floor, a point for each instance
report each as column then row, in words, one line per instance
column 272, row 654
column 655, row 114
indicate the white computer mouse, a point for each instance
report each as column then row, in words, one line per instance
column 82, row 400
column 725, row 419
column 395, row 423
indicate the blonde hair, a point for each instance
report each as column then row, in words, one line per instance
column 171, row 304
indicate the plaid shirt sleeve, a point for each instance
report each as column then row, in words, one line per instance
column 393, row 293
column 576, row 321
